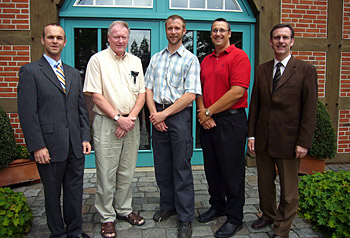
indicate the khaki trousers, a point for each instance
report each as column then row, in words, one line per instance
column 283, row 215
column 115, row 165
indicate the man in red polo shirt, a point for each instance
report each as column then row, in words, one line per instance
column 225, row 76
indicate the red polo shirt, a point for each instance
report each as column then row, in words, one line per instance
column 219, row 74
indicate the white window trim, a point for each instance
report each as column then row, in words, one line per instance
column 206, row 7
column 114, row 5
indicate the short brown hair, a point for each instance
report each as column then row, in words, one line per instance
column 174, row 17
column 52, row 24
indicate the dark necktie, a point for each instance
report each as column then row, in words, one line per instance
column 277, row 76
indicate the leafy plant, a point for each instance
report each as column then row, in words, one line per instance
column 7, row 140
column 15, row 214
column 324, row 199
column 324, row 142
column 22, row 152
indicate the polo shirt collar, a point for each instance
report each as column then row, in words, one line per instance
column 226, row 51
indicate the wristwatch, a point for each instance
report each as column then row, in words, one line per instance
column 207, row 112
column 116, row 118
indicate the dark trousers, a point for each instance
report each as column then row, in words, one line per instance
column 69, row 175
column 284, row 215
column 172, row 161
column 224, row 162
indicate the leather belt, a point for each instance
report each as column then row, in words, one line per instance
column 163, row 105
column 228, row 112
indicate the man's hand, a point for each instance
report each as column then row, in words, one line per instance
column 208, row 124
column 251, row 145
column 201, row 116
column 126, row 123
column 42, row 156
column 161, row 127
column 157, row 117
column 119, row 132
column 86, row 147
column 300, row 152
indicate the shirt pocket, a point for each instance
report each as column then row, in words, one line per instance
column 176, row 77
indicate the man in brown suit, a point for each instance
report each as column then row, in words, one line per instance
column 280, row 128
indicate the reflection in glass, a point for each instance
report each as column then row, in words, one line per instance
column 104, row 40
column 179, row 3
column 143, row 3
column 215, row 4
column 187, row 40
column 84, row 2
column 140, row 45
column 231, row 5
column 206, row 47
column 197, row 3
column 123, row 2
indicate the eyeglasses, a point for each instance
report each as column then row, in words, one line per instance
column 221, row 31
column 120, row 37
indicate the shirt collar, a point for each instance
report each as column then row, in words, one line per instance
column 226, row 51
column 51, row 61
column 115, row 55
column 284, row 61
column 180, row 50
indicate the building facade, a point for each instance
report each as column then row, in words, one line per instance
column 322, row 32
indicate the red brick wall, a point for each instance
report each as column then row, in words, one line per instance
column 14, row 119
column 12, row 57
column 345, row 75
column 318, row 59
column 344, row 131
column 308, row 17
column 14, row 15
column 346, row 19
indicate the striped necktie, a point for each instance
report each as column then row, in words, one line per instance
column 277, row 76
column 60, row 76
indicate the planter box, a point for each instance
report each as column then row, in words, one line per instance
column 309, row 165
column 19, row 171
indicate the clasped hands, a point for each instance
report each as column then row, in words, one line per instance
column 125, row 124
column 158, row 121
column 205, row 121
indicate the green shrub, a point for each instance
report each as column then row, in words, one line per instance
column 15, row 214
column 325, row 200
column 324, row 142
column 22, row 152
column 7, row 140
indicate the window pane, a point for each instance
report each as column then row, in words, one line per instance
column 197, row 4
column 104, row 2
column 179, row 3
column 187, row 40
column 84, row 2
column 143, row 3
column 140, row 45
column 104, row 40
column 231, row 5
column 215, row 4
column 123, row 2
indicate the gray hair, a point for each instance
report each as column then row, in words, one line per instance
column 121, row 23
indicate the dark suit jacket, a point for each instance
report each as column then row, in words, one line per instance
column 49, row 117
column 284, row 118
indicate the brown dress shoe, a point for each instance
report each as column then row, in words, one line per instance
column 260, row 224
column 277, row 236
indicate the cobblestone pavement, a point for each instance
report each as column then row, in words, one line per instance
column 146, row 201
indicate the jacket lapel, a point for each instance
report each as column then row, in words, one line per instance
column 268, row 74
column 46, row 69
column 288, row 72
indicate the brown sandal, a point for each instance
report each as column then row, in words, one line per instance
column 133, row 219
column 108, row 230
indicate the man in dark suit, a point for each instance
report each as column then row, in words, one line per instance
column 55, row 125
column 280, row 128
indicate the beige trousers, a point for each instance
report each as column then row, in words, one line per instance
column 115, row 166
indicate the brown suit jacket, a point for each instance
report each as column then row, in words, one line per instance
column 285, row 117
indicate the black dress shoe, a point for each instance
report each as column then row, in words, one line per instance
column 163, row 215
column 184, row 230
column 82, row 235
column 260, row 224
column 210, row 215
column 227, row 230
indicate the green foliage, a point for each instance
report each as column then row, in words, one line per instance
column 324, row 199
column 324, row 143
column 7, row 140
column 15, row 214
column 22, row 152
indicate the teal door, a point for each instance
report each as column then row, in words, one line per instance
column 88, row 35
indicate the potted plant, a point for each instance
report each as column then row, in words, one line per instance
column 15, row 214
column 324, row 143
column 15, row 166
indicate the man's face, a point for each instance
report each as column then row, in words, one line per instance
column 281, row 42
column 54, row 41
column 220, row 34
column 175, row 31
column 118, row 39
